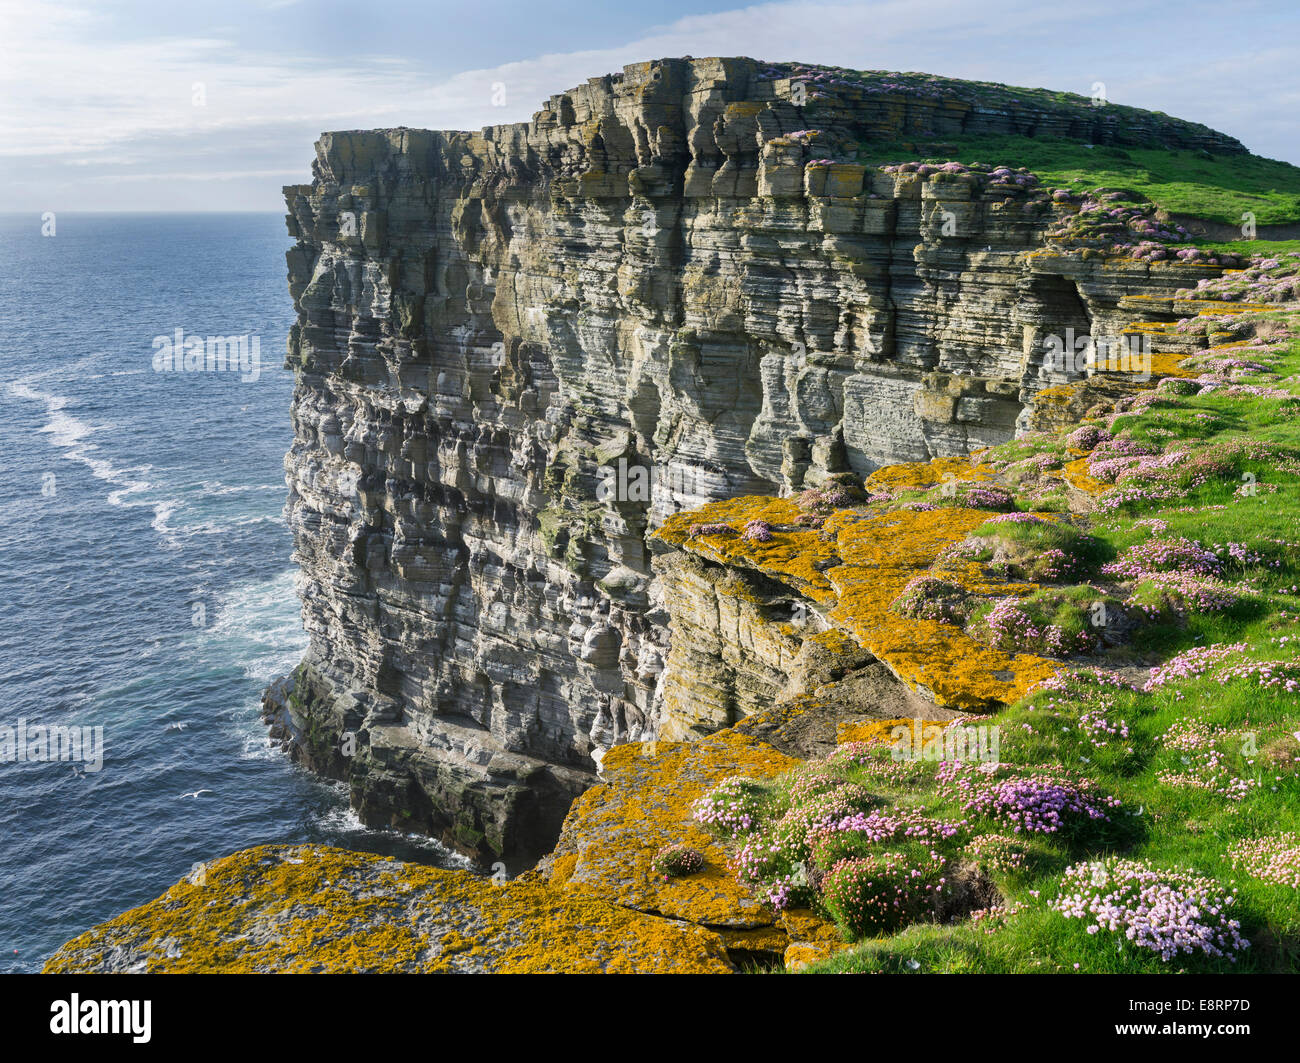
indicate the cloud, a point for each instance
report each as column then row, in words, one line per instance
column 95, row 121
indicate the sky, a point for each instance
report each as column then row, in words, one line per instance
column 182, row 106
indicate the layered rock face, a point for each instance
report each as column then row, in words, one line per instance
column 519, row 351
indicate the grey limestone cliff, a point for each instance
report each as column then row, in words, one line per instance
column 519, row 350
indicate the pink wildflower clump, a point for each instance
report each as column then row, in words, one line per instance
column 1170, row 912
column 1117, row 455
column 673, row 861
column 1179, row 594
column 1083, row 682
column 1010, row 627
column 823, row 500
column 1087, row 437
column 1146, row 495
column 1042, row 803
column 1190, row 664
column 881, row 825
column 1154, row 525
column 883, row 891
column 1271, row 675
column 1164, row 555
column 810, row 784
column 927, row 597
column 875, row 758
column 985, row 498
column 997, row 853
column 775, row 857
column 1274, row 859
column 731, row 807
column 1016, row 518
column 1225, row 662
column 1203, row 765
column 758, row 531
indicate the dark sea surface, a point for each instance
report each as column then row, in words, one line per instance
column 146, row 585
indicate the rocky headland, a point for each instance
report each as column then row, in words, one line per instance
column 668, row 440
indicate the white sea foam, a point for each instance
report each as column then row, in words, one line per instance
column 342, row 819
column 216, row 489
column 69, row 433
column 220, row 527
column 261, row 620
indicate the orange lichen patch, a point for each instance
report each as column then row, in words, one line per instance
column 877, row 555
column 801, row 954
column 919, row 474
column 810, row 937
column 972, row 577
column 1217, row 306
column 795, row 553
column 1076, row 475
column 1056, row 393
column 613, row 831
column 1165, row 363
column 885, row 732
column 755, row 939
column 317, row 909
column 1155, row 328
column 834, row 640
column 803, row 924
column 880, row 556
column 869, row 730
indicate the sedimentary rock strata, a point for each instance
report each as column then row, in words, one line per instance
column 520, row 351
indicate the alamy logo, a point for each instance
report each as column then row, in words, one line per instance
column 102, row 1016
column 955, row 742
column 1084, row 353
column 208, row 354
column 636, row 483
column 38, row 743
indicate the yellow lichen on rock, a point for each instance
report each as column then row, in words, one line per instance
column 919, row 474
column 312, row 908
column 801, row 954
column 613, row 831
column 1075, row 474
column 870, row 730
column 880, row 556
column 795, row 552
column 858, row 563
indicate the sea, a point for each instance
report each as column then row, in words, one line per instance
column 146, row 584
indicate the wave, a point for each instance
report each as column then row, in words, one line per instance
column 215, row 488
column 69, row 433
column 342, row 819
column 214, row 527
column 261, row 620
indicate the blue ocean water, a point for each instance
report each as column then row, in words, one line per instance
column 145, row 575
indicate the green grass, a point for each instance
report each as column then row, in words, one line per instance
column 1251, row 247
column 1215, row 188
column 1171, row 827
column 1165, row 823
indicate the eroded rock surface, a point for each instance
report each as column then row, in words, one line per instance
column 520, row 350
column 314, row 909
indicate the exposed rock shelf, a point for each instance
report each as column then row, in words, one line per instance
column 647, row 276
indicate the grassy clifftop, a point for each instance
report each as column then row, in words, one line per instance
column 1219, row 188
column 1136, row 805
column 1070, row 141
